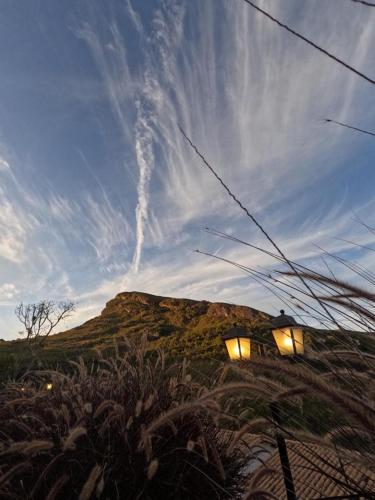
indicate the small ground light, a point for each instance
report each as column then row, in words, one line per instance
column 49, row 386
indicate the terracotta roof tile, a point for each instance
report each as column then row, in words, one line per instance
column 317, row 472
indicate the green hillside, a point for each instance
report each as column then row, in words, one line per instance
column 179, row 326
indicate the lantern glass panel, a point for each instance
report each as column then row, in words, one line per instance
column 238, row 348
column 286, row 337
column 245, row 348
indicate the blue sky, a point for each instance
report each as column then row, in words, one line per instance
column 99, row 193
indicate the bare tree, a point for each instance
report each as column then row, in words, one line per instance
column 41, row 318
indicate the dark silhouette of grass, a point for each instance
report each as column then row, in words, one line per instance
column 260, row 227
column 129, row 428
column 363, row 2
column 310, row 42
column 341, row 376
column 328, row 120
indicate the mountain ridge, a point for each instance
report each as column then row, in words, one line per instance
column 166, row 321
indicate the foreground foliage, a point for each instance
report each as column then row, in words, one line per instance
column 132, row 426
column 126, row 429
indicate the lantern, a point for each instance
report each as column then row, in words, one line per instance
column 288, row 335
column 237, row 342
column 49, row 386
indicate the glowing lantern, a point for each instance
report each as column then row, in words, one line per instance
column 288, row 335
column 49, row 386
column 237, row 342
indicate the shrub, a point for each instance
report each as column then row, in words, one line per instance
column 128, row 428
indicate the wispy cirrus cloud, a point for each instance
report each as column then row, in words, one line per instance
column 15, row 226
column 4, row 165
column 7, row 291
column 108, row 196
column 145, row 159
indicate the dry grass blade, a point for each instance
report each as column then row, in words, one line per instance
column 12, row 472
column 293, row 392
column 259, row 494
column 74, row 435
column 104, row 405
column 310, row 42
column 245, row 429
column 279, row 251
column 152, row 469
column 56, row 488
column 205, row 403
column 262, row 472
column 356, row 408
column 347, row 432
column 37, row 446
column 178, row 412
column 90, row 484
column 105, row 412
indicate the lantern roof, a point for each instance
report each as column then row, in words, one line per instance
column 283, row 320
column 236, row 332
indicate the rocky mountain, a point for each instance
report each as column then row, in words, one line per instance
column 180, row 326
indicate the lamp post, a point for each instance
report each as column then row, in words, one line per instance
column 238, row 344
column 283, row 452
column 288, row 335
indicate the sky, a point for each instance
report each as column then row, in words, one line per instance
column 99, row 191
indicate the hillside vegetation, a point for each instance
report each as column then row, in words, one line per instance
column 182, row 327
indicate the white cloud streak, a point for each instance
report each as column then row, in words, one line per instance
column 252, row 99
column 4, row 165
column 145, row 159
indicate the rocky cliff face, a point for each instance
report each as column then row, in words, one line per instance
column 132, row 302
column 175, row 324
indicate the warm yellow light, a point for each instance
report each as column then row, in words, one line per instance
column 245, row 348
column 49, row 386
column 289, row 340
column 238, row 348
